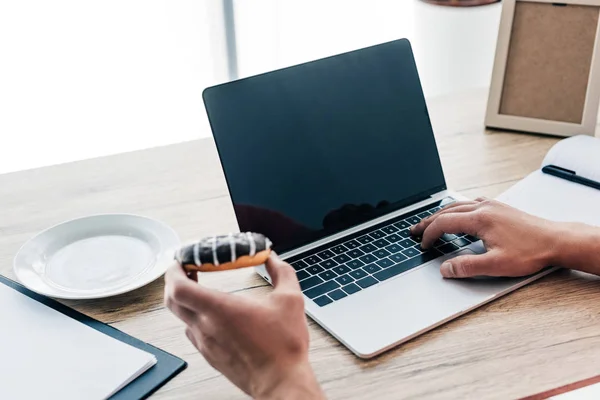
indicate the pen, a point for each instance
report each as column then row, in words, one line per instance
column 569, row 175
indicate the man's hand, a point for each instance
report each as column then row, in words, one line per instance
column 259, row 345
column 517, row 243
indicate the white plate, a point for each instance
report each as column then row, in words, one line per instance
column 97, row 256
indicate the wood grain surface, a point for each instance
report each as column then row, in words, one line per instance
column 540, row 337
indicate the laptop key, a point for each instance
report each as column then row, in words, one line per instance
column 413, row 220
column 393, row 238
column 355, row 253
column 315, row 269
column 461, row 242
column 298, row 265
column 394, row 248
column 402, row 225
column 404, row 234
column 341, row 269
column 471, row 238
column 344, row 279
column 342, row 258
column 339, row 249
column 448, row 248
column 365, row 239
column 311, row 260
column 372, row 268
column 418, row 249
column 325, row 254
column 310, row 282
column 323, row 301
column 385, row 262
column 424, row 214
column 321, row 289
column 368, row 258
column 399, row 257
column 353, row 264
column 358, row 274
column 381, row 253
column 406, row 265
column 448, row 237
column 327, row 264
column 337, row 294
column 390, row 229
column 352, row 244
column 368, row 248
column 352, row 288
column 302, row 275
column 327, row 275
column 366, row 282
column 438, row 243
column 411, row 252
column 377, row 234
column 406, row 243
column 379, row 243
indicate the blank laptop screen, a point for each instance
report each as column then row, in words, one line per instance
column 316, row 148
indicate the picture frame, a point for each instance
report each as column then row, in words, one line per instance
column 546, row 72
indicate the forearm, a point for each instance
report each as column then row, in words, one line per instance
column 577, row 247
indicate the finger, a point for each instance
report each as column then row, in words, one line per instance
column 449, row 223
column 191, row 337
column 417, row 230
column 282, row 274
column 462, row 203
column 186, row 315
column 187, row 293
column 471, row 265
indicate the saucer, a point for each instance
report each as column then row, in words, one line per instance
column 96, row 256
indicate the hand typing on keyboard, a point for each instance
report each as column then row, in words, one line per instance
column 517, row 243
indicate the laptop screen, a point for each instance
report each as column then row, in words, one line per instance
column 316, row 148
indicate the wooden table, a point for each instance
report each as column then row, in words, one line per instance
column 542, row 336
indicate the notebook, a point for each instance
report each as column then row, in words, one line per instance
column 47, row 354
column 556, row 199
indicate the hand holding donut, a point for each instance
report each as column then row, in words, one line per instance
column 259, row 343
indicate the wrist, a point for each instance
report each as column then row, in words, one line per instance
column 577, row 246
column 298, row 382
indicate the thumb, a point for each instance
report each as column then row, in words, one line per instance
column 468, row 266
column 283, row 276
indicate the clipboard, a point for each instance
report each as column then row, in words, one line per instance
column 167, row 365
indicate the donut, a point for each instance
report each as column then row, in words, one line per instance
column 225, row 252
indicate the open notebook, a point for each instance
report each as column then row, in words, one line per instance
column 557, row 199
column 48, row 355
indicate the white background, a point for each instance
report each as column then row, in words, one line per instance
column 83, row 78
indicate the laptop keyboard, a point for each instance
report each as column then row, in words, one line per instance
column 361, row 260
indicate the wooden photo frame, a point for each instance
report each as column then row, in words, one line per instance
column 546, row 75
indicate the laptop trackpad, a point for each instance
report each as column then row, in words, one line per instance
column 409, row 304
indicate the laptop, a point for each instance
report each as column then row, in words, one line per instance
column 334, row 160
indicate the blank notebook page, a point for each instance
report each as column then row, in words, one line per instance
column 46, row 355
column 557, row 199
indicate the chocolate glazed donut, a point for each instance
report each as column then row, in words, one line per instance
column 220, row 253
